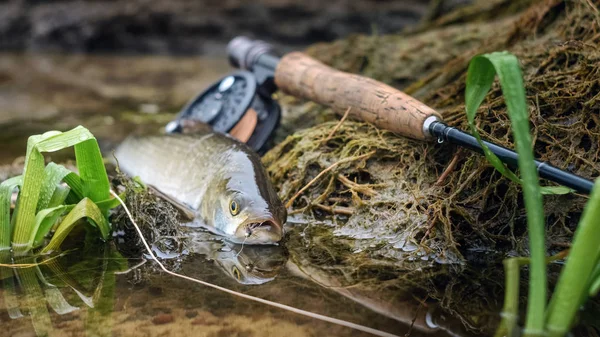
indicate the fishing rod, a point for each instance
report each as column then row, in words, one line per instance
column 241, row 104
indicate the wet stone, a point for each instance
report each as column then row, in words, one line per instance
column 191, row 313
column 163, row 319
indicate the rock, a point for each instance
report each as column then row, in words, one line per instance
column 163, row 319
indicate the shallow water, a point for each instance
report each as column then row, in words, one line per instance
column 143, row 302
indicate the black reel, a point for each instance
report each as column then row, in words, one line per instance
column 234, row 105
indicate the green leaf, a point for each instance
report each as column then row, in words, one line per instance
column 92, row 170
column 556, row 190
column 76, row 185
column 595, row 284
column 86, row 208
column 6, row 190
column 44, row 221
column 106, row 205
column 54, row 175
column 480, row 76
column 577, row 276
column 59, row 196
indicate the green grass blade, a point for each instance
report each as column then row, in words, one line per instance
column 92, row 170
column 76, row 185
column 59, row 196
column 510, row 310
column 84, row 209
column 595, row 284
column 54, row 175
column 44, row 221
column 576, row 276
column 106, row 205
column 33, row 178
column 480, row 76
column 6, row 190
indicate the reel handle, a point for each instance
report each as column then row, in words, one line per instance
column 371, row 101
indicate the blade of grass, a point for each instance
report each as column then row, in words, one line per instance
column 575, row 279
column 44, row 221
column 54, row 175
column 6, row 190
column 595, row 285
column 92, row 171
column 111, row 203
column 510, row 310
column 86, row 208
column 59, row 196
column 480, row 77
column 24, row 214
column 76, row 185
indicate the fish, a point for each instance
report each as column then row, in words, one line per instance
column 220, row 180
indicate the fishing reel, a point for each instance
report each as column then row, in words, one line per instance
column 240, row 105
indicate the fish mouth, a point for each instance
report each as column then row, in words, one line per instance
column 260, row 231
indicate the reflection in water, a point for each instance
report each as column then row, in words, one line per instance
column 252, row 265
column 247, row 264
column 80, row 294
column 29, row 291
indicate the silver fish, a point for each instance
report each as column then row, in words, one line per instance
column 220, row 180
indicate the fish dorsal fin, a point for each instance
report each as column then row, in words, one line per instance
column 184, row 209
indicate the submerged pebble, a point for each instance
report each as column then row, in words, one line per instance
column 163, row 319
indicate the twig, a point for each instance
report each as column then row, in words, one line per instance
column 332, row 166
column 448, row 169
column 337, row 126
column 364, row 189
column 336, row 209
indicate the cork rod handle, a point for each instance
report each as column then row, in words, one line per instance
column 371, row 101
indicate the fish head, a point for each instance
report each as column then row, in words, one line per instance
column 250, row 219
column 249, row 210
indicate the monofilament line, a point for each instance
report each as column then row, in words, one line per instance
column 248, row 297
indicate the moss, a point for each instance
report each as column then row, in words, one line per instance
column 472, row 206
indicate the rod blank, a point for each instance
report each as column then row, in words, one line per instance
column 446, row 133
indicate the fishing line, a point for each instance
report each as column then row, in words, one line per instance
column 248, row 297
column 238, row 254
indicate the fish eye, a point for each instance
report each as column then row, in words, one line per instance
column 234, row 207
column 236, row 273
